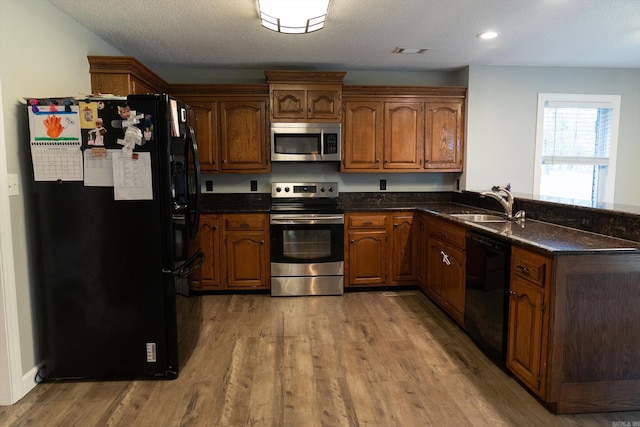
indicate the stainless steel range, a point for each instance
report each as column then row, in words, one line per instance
column 307, row 239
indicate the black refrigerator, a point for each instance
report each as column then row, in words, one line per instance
column 116, row 235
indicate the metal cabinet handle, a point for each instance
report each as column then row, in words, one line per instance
column 523, row 268
column 368, row 223
column 445, row 258
column 352, row 241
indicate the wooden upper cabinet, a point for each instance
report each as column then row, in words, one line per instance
column 403, row 129
column 363, row 135
column 443, row 136
column 305, row 96
column 203, row 118
column 243, row 135
column 123, row 75
column 312, row 103
column 403, row 135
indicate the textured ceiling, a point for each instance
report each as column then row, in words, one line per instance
column 361, row 34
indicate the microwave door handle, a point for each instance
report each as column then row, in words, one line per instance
column 322, row 144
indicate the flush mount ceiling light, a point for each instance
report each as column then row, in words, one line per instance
column 293, row 16
column 487, row 35
column 409, row 50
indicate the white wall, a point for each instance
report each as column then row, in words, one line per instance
column 43, row 52
column 501, row 123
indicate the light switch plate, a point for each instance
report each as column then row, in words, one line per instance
column 14, row 189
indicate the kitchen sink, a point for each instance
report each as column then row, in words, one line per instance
column 480, row 217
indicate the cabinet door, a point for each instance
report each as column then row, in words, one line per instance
column 203, row 118
column 422, row 245
column 435, row 281
column 403, row 250
column 324, row 104
column 247, row 259
column 524, row 351
column 453, row 282
column 443, row 136
column 363, row 135
column 288, row 103
column 243, row 136
column 140, row 87
column 367, row 257
column 403, row 135
column 208, row 275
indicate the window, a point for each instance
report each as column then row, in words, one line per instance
column 576, row 145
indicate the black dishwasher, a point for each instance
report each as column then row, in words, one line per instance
column 486, row 294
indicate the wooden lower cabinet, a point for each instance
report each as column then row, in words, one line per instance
column 528, row 323
column 367, row 257
column 208, row 276
column 404, row 249
column 380, row 249
column 525, row 357
column 445, row 259
column 572, row 337
column 236, row 248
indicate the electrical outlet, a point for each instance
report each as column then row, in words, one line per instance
column 383, row 184
column 14, row 189
column 209, row 185
column 254, row 185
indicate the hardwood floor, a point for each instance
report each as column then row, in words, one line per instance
column 362, row 359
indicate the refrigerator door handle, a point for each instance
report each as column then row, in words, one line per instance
column 190, row 265
column 194, row 216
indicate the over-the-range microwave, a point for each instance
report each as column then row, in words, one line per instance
column 305, row 142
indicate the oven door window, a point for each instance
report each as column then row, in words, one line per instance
column 297, row 143
column 307, row 243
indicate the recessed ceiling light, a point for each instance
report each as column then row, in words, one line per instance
column 409, row 50
column 487, row 35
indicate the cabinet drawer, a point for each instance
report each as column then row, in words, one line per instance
column 529, row 265
column 245, row 222
column 448, row 232
column 367, row 221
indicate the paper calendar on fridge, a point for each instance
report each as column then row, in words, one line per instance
column 56, row 143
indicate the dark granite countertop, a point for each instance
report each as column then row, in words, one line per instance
column 542, row 235
column 536, row 234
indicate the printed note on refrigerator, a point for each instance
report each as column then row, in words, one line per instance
column 98, row 169
column 132, row 176
column 55, row 143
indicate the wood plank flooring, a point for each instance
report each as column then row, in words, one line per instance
column 362, row 359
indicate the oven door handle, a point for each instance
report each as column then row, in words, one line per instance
column 307, row 220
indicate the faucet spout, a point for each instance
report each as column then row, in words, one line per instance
column 503, row 196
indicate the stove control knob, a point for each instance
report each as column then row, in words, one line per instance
column 330, row 189
column 278, row 189
column 322, row 189
column 286, row 189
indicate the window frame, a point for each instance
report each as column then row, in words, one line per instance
column 586, row 100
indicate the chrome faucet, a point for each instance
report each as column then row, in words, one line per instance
column 506, row 200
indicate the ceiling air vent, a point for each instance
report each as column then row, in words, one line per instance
column 409, row 50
